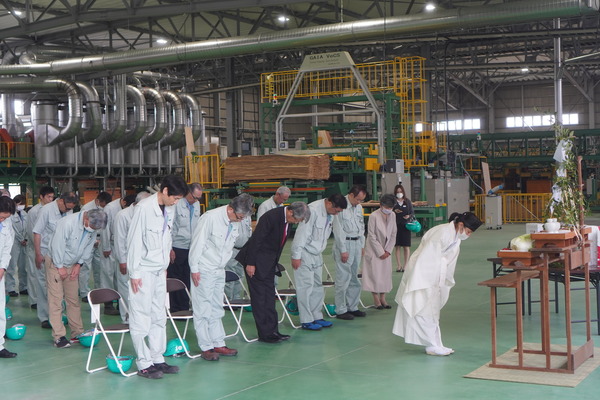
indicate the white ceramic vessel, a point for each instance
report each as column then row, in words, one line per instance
column 552, row 225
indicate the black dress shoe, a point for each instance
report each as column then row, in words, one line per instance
column 12, row 293
column 24, row 292
column 281, row 336
column 33, row 306
column 46, row 324
column 4, row 353
column 270, row 339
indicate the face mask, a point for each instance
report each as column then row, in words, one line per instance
column 462, row 235
column 89, row 229
column 21, row 207
column 399, row 195
column 386, row 211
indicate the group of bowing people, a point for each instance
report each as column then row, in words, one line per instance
column 165, row 234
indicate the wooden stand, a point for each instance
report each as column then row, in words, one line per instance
column 569, row 255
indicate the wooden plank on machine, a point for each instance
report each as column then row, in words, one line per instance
column 190, row 147
column 274, row 167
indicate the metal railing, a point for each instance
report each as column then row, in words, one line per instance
column 517, row 207
column 17, row 152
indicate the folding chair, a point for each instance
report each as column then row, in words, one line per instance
column 360, row 300
column 174, row 285
column 327, row 283
column 237, row 304
column 283, row 295
column 96, row 298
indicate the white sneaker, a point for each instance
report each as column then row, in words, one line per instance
column 438, row 351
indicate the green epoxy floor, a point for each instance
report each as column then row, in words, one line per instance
column 358, row 359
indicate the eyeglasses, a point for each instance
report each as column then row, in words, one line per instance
column 238, row 216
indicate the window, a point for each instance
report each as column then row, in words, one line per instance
column 528, row 121
column 19, row 107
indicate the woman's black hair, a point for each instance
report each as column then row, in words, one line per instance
column 7, row 205
column 468, row 219
column 399, row 186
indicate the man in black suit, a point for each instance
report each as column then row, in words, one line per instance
column 260, row 256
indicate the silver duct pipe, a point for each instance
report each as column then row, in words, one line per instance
column 7, row 109
column 195, row 114
column 160, row 116
column 35, row 54
column 140, row 120
column 118, row 130
column 157, row 76
column 94, row 113
column 175, row 137
column 467, row 17
column 75, row 103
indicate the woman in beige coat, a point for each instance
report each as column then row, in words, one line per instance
column 381, row 239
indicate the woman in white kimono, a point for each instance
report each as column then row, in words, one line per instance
column 381, row 239
column 427, row 281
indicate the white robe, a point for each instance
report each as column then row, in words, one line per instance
column 426, row 285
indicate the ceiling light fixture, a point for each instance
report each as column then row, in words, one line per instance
column 17, row 13
column 283, row 18
column 161, row 41
column 524, row 70
column 429, row 7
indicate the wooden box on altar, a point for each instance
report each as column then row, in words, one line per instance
column 562, row 238
column 509, row 257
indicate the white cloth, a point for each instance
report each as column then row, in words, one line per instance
column 426, row 285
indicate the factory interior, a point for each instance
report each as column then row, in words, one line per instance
column 463, row 102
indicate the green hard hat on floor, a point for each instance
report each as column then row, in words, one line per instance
column 176, row 347
column 16, row 332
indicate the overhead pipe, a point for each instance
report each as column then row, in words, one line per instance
column 158, row 76
column 92, row 104
column 117, row 131
column 140, row 118
column 7, row 107
column 195, row 114
column 160, row 116
column 175, row 136
column 75, row 102
column 441, row 20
